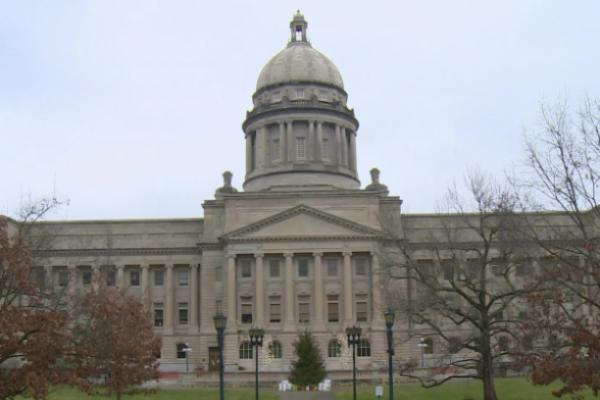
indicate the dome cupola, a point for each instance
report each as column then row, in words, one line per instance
column 300, row 131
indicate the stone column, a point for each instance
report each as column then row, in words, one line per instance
column 145, row 283
column 231, row 293
column 193, row 327
column 72, row 281
column 352, row 151
column 344, row 146
column 96, row 276
column 376, row 291
column 120, row 276
column 320, row 141
column 248, row 154
column 169, row 306
column 283, row 142
column 289, row 321
column 290, row 141
column 49, row 278
column 348, row 314
column 259, row 290
column 311, row 148
column 319, row 304
column 339, row 143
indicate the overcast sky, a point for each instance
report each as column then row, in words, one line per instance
column 133, row 109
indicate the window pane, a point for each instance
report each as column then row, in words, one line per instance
column 183, row 313
column 361, row 311
column 332, row 267
column 159, row 278
column 303, row 268
column 63, row 278
column 246, row 268
column 300, row 148
column 360, row 266
column 134, row 278
column 274, row 271
column 86, row 277
column 182, row 278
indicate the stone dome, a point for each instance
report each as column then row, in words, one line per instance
column 299, row 62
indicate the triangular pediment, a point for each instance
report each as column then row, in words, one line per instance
column 302, row 222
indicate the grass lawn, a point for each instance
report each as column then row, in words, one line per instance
column 508, row 389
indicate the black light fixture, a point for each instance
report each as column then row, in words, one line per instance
column 389, row 323
column 220, row 321
column 256, row 340
column 353, row 333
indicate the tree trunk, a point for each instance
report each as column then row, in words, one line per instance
column 487, row 371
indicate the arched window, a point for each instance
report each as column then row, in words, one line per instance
column 454, row 345
column 428, row 348
column 245, row 350
column 364, row 348
column 503, row 343
column 334, row 348
column 275, row 349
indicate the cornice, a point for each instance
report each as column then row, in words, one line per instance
column 118, row 252
column 348, row 238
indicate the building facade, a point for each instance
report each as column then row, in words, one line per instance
column 296, row 250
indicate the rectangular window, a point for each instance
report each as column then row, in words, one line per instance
column 360, row 266
column 134, row 278
column 219, row 274
column 275, row 309
column 303, row 308
column 183, row 313
column 300, row 148
column 86, row 277
column 447, row 269
column 332, row 267
column 425, row 269
column 274, row 269
column 182, row 277
column 362, row 313
column 300, row 93
column 158, row 314
column 63, row 278
column 275, row 149
column 246, row 268
column 303, row 268
column 111, row 278
column 325, row 149
column 246, row 309
column 159, row 278
column 333, row 308
column 39, row 277
column 182, row 350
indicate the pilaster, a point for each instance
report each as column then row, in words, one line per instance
column 318, row 295
column 193, row 327
column 289, row 324
column 169, row 306
column 348, row 312
column 231, row 293
column 259, row 290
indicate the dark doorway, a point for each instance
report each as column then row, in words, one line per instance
column 213, row 359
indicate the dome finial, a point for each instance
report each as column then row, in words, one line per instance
column 298, row 28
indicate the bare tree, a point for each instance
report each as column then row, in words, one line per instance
column 463, row 285
column 564, row 161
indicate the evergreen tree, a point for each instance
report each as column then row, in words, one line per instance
column 308, row 368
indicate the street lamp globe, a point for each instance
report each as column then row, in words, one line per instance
column 389, row 317
column 220, row 321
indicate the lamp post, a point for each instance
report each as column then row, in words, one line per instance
column 389, row 322
column 423, row 345
column 220, row 322
column 353, row 334
column 256, row 340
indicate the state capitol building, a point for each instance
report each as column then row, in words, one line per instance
column 295, row 250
